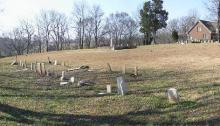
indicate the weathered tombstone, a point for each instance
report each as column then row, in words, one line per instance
column 122, row 86
column 34, row 68
column 20, row 63
column 43, row 71
column 39, row 70
column 31, row 66
column 85, row 83
column 72, row 80
column 136, row 71
column 49, row 61
column 14, row 63
column 55, row 62
column 63, row 63
column 173, row 95
column 63, row 83
column 62, row 76
column 109, row 67
column 124, row 69
column 109, row 89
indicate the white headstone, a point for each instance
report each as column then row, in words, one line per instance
column 63, row 83
column 72, row 80
column 20, row 63
column 39, row 70
column 55, row 62
column 31, row 66
column 122, row 86
column 109, row 89
column 173, row 95
column 63, row 76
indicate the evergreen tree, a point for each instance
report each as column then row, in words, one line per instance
column 153, row 18
column 175, row 36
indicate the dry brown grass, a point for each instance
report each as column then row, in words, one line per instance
column 193, row 56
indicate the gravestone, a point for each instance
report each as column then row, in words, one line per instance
column 38, row 69
column 55, row 62
column 63, row 83
column 122, row 86
column 31, row 66
column 173, row 95
column 124, row 69
column 43, row 71
column 34, row 68
column 14, row 63
column 63, row 64
column 20, row 63
column 136, row 71
column 72, row 80
column 109, row 67
column 62, row 76
column 25, row 64
column 109, row 89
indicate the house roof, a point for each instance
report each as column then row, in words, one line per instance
column 211, row 26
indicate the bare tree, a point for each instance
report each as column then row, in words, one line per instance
column 119, row 26
column 18, row 43
column 173, row 24
column 80, row 15
column 59, row 29
column 97, row 15
column 187, row 22
column 44, row 25
column 88, row 31
column 214, row 8
column 28, row 32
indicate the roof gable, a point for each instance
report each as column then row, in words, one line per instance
column 210, row 26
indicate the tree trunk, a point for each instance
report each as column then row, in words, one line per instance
column 219, row 21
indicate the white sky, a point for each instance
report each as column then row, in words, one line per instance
column 15, row 10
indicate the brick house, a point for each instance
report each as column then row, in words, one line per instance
column 203, row 31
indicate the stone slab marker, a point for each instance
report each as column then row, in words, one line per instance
column 124, row 69
column 109, row 89
column 62, row 76
column 72, row 80
column 20, row 63
column 25, row 64
column 136, row 71
column 109, row 67
column 34, row 68
column 122, row 86
column 38, row 69
column 55, row 62
column 43, row 70
column 173, row 95
column 63, row 64
column 31, row 66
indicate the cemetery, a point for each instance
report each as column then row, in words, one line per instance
column 57, row 92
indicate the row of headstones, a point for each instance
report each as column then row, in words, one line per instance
column 123, row 69
column 122, row 87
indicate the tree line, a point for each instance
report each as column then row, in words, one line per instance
column 87, row 27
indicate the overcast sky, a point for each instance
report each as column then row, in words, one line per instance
column 15, row 10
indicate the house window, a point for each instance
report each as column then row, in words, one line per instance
column 199, row 29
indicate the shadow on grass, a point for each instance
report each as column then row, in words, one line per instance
column 23, row 116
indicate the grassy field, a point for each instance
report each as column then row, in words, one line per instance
column 194, row 69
